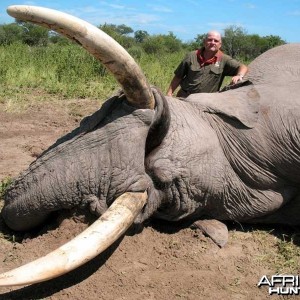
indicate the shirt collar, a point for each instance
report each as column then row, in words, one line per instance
column 216, row 58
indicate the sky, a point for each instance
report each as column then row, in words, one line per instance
column 185, row 18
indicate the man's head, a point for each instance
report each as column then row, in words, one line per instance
column 213, row 41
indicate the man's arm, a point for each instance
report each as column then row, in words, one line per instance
column 173, row 85
column 242, row 70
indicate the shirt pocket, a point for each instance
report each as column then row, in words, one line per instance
column 216, row 70
column 194, row 74
column 195, row 68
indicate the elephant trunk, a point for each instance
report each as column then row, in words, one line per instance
column 91, row 242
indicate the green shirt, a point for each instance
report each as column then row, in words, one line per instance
column 206, row 79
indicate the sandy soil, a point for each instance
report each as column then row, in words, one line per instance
column 159, row 261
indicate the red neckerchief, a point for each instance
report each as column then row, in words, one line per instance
column 213, row 60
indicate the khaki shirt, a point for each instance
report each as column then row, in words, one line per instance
column 207, row 79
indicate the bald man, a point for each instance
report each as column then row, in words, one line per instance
column 203, row 70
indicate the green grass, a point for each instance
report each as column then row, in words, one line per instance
column 279, row 251
column 288, row 256
column 65, row 70
column 70, row 72
column 4, row 184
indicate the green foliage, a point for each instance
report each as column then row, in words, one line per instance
column 159, row 44
column 273, row 41
column 136, row 52
column 24, row 32
column 66, row 70
column 112, row 29
column 10, row 33
column 69, row 71
column 4, row 184
column 159, row 69
column 56, row 38
column 238, row 44
column 140, row 35
column 289, row 252
column 33, row 57
column 281, row 253
column 34, row 35
column 120, row 34
column 200, row 40
column 233, row 41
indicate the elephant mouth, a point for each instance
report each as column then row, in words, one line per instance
column 87, row 245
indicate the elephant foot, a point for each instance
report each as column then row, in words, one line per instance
column 215, row 229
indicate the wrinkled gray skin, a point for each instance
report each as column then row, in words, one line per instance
column 233, row 155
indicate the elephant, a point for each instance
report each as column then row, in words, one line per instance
column 232, row 155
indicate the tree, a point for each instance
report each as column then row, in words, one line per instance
column 119, row 33
column 162, row 43
column 33, row 35
column 273, row 41
column 10, row 33
column 233, row 41
column 172, row 43
column 236, row 42
column 140, row 35
column 124, row 30
column 240, row 45
column 112, row 29
column 56, row 38
column 253, row 45
column 199, row 39
column 196, row 44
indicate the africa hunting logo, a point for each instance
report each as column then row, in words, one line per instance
column 281, row 284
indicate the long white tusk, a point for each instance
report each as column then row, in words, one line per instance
column 84, row 247
column 96, row 42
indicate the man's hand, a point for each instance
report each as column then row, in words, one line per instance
column 235, row 79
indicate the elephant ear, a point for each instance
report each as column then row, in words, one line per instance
column 241, row 104
column 277, row 66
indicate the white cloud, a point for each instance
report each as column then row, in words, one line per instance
column 250, row 6
column 117, row 6
column 144, row 18
column 194, row 2
column 29, row 3
column 221, row 25
column 161, row 9
column 294, row 13
column 89, row 9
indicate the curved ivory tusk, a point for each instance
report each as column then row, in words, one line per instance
column 96, row 42
column 84, row 247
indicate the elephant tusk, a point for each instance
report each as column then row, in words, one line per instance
column 99, row 44
column 84, row 247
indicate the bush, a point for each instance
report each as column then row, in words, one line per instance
column 159, row 44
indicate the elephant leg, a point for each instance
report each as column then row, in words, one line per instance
column 215, row 229
column 288, row 214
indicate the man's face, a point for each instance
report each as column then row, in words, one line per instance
column 213, row 42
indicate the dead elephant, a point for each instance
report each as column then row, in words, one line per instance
column 233, row 155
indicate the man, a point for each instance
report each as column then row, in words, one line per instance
column 203, row 70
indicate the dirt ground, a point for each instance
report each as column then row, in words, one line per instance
column 160, row 261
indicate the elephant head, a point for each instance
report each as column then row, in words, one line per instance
column 227, row 156
column 101, row 160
